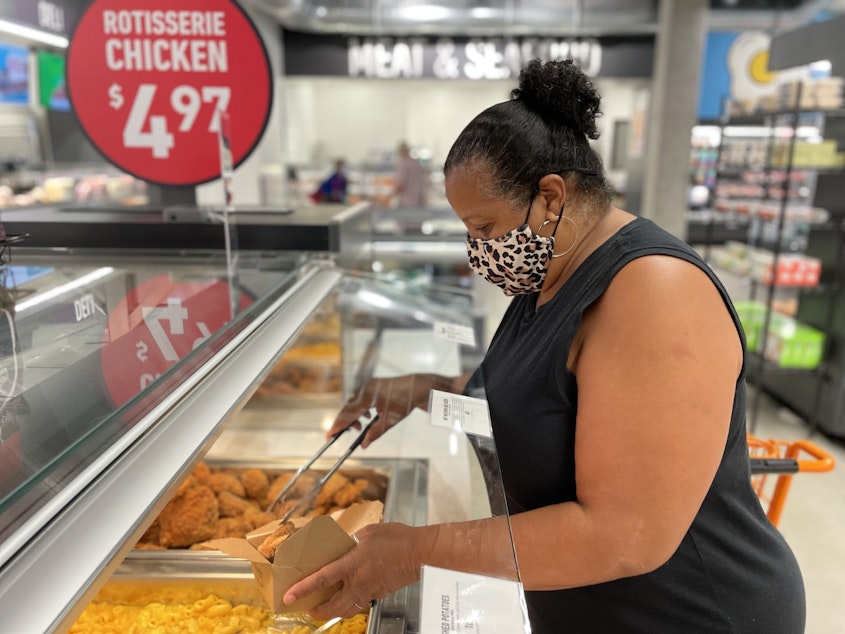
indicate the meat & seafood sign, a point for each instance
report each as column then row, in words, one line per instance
column 476, row 59
column 395, row 57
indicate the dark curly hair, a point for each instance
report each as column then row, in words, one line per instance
column 543, row 129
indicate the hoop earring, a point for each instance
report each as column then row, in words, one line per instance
column 574, row 235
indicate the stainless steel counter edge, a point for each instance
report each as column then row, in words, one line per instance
column 317, row 229
column 50, row 580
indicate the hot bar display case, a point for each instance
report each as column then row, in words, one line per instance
column 125, row 372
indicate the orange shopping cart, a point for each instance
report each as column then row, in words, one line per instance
column 775, row 462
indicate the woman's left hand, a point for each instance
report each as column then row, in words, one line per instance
column 387, row 557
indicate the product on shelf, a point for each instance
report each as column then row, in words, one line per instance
column 793, row 269
column 751, row 315
column 791, row 344
column 815, row 94
column 215, row 503
column 823, row 154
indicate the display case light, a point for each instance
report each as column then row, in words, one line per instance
column 57, row 291
column 483, row 13
column 34, row 35
column 425, row 13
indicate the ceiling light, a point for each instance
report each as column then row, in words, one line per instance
column 321, row 12
column 35, row 35
column 425, row 13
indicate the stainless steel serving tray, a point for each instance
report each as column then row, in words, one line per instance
column 404, row 483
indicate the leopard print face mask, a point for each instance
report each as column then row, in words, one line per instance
column 516, row 262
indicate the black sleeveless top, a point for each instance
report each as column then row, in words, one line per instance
column 733, row 572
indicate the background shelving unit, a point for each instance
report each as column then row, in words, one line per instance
column 794, row 208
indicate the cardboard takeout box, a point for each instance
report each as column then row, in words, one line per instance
column 317, row 541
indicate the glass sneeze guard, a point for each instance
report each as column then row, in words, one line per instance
column 92, row 345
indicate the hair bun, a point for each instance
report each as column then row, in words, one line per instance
column 561, row 94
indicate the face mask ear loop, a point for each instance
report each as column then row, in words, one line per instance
column 534, row 193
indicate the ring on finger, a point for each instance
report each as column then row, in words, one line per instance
column 355, row 603
column 355, row 537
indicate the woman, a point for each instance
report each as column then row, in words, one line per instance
column 623, row 450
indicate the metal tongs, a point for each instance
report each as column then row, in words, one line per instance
column 366, row 419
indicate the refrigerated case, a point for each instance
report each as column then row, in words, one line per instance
column 129, row 370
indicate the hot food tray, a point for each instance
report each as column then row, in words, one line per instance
column 401, row 484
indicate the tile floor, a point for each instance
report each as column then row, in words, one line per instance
column 813, row 520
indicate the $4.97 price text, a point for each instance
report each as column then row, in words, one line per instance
column 150, row 131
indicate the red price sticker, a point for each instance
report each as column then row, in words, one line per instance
column 155, row 326
column 150, row 79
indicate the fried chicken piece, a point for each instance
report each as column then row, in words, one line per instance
column 284, row 506
column 232, row 505
column 336, row 482
column 189, row 518
column 219, row 481
column 256, row 517
column 201, row 473
column 189, row 482
column 302, row 486
column 232, row 527
column 350, row 493
column 149, row 546
column 272, row 541
column 256, row 484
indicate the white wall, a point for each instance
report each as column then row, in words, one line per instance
column 315, row 119
column 353, row 118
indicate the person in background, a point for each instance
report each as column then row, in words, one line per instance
column 333, row 189
column 411, row 179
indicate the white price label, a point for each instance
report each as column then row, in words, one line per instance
column 146, row 130
column 454, row 332
column 462, row 413
column 455, row 602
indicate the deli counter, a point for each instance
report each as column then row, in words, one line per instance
column 129, row 377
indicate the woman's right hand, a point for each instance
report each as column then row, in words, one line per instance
column 393, row 398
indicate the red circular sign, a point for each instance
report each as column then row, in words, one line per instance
column 149, row 79
column 155, row 326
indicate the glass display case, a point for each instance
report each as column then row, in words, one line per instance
column 128, row 374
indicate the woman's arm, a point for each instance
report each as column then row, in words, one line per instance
column 393, row 398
